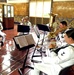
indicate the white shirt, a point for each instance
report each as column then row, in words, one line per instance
column 64, row 58
column 60, row 41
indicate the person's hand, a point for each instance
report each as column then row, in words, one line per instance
column 52, row 43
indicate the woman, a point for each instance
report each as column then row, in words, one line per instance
column 65, row 57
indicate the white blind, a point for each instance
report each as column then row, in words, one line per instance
column 40, row 8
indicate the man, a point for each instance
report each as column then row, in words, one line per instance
column 65, row 57
column 58, row 34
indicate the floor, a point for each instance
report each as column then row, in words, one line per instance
column 12, row 60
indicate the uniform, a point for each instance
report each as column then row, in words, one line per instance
column 2, row 33
column 60, row 39
column 54, row 64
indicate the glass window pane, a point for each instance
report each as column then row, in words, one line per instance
column 9, row 11
column 5, row 11
column 40, row 8
column 47, row 8
column 32, row 9
column 12, row 11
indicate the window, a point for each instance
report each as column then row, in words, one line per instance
column 40, row 8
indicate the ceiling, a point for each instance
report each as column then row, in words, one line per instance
column 21, row 1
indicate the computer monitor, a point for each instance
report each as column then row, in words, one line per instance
column 23, row 28
column 43, row 27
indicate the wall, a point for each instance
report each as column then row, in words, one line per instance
column 20, row 10
column 65, row 11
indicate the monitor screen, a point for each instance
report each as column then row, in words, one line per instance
column 23, row 28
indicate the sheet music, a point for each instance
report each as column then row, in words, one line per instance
column 21, row 40
column 29, row 39
column 24, row 40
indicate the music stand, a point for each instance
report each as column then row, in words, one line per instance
column 43, row 28
column 23, row 28
column 36, row 31
column 21, row 70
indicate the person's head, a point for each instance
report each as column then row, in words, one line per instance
column 63, row 24
column 26, row 18
column 69, row 35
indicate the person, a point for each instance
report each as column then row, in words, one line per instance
column 1, row 27
column 58, row 34
column 2, row 33
column 25, row 21
column 1, row 41
column 52, row 65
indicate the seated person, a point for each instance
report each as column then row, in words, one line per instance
column 25, row 21
column 1, row 27
column 58, row 34
column 1, row 40
column 2, row 33
column 63, row 58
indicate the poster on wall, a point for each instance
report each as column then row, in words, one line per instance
column 17, row 1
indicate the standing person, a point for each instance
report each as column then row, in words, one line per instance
column 65, row 57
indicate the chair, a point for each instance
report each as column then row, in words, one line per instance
column 67, row 71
